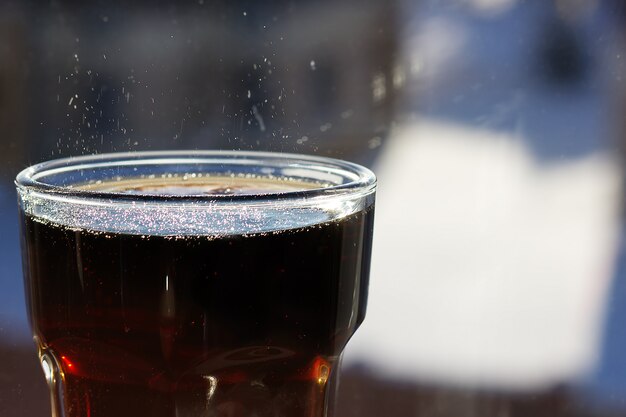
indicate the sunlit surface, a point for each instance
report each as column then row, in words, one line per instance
column 498, row 275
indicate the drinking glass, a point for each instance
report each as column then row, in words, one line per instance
column 194, row 283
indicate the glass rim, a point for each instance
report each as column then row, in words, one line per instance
column 361, row 179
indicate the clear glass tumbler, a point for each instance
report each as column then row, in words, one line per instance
column 194, row 283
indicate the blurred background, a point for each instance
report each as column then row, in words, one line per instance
column 497, row 129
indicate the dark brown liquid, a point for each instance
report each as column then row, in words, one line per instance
column 196, row 325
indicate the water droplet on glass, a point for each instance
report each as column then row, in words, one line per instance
column 379, row 88
column 374, row 142
column 258, row 118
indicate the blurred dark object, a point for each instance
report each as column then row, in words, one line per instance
column 364, row 393
column 561, row 53
column 297, row 76
column 23, row 391
column 617, row 8
column 13, row 89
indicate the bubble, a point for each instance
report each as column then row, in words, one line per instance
column 325, row 127
column 374, row 142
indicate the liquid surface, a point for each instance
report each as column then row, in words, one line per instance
column 205, row 216
column 239, row 325
column 198, row 184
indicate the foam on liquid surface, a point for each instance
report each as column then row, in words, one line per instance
column 192, row 184
column 207, row 216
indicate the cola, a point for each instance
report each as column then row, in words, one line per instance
column 230, row 324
